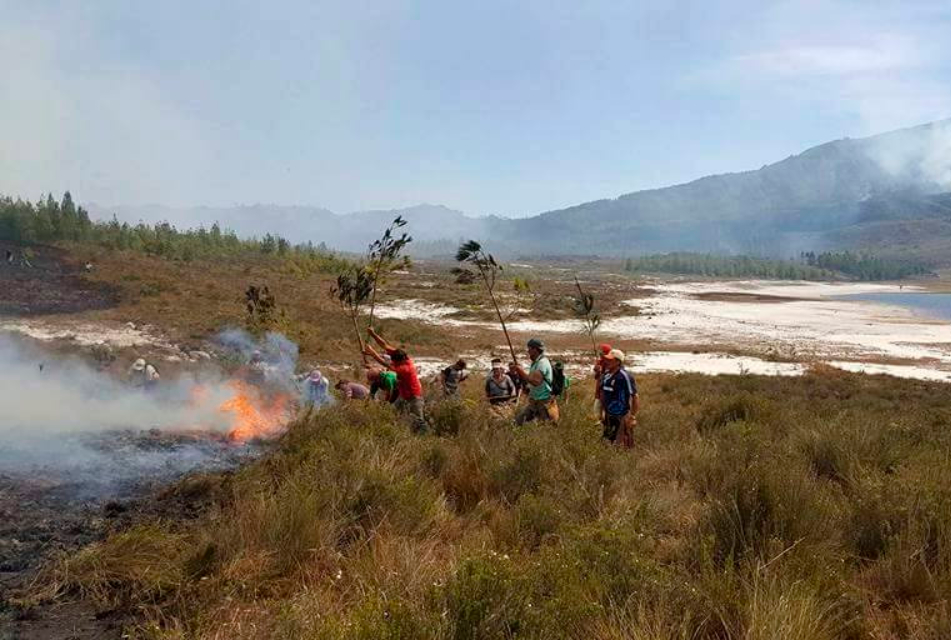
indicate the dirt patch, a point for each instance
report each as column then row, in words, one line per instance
column 41, row 280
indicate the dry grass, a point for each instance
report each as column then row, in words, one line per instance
column 751, row 508
column 191, row 301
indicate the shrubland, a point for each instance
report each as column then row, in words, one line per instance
column 755, row 508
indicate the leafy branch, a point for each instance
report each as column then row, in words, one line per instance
column 352, row 289
column 489, row 270
column 585, row 309
column 384, row 257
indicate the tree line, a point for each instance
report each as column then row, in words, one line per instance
column 809, row 266
column 51, row 221
column 865, row 266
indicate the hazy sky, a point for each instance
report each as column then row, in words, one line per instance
column 490, row 107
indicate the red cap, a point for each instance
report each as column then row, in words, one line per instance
column 605, row 348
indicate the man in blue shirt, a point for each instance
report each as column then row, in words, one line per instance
column 619, row 401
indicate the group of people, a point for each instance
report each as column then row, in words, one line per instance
column 511, row 391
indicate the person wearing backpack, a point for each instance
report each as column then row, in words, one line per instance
column 560, row 382
column 542, row 404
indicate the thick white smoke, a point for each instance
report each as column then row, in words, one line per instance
column 277, row 354
column 41, row 395
column 44, row 395
column 920, row 157
column 65, row 422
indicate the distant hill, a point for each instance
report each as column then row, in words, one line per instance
column 806, row 201
column 890, row 192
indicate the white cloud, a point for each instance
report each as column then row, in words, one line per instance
column 890, row 54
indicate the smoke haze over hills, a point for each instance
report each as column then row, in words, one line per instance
column 829, row 196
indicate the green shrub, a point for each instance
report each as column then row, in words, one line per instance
column 538, row 519
column 484, row 599
column 518, row 475
column 446, row 416
column 741, row 407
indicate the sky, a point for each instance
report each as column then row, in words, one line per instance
column 491, row 107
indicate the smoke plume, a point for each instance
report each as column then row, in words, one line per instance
column 917, row 157
column 39, row 395
column 68, row 423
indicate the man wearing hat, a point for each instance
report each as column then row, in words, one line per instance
column 619, row 401
column 316, row 390
column 541, row 403
column 143, row 375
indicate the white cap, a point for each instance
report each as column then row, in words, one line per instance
column 615, row 354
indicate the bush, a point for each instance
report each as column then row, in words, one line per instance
column 742, row 407
column 484, row 599
column 446, row 416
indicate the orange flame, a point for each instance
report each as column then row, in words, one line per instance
column 253, row 415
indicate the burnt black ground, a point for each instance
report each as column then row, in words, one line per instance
column 38, row 520
column 47, row 511
column 41, row 280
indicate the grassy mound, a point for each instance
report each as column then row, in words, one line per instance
column 755, row 508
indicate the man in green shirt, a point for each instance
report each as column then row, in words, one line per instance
column 382, row 380
column 541, row 403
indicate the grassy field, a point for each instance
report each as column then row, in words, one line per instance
column 191, row 301
column 755, row 508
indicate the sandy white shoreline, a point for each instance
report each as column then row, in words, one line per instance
column 803, row 321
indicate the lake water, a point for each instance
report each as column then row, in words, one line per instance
column 936, row 305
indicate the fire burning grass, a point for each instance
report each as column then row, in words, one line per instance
column 254, row 413
column 83, row 454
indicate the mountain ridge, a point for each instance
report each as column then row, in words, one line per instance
column 805, row 201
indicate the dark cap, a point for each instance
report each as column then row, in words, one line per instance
column 535, row 343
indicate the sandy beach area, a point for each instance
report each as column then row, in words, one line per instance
column 781, row 327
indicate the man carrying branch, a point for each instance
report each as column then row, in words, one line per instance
column 410, row 400
column 541, row 402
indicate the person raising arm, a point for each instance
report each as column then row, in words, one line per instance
column 410, row 400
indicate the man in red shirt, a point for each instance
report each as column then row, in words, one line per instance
column 410, row 400
column 599, row 368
